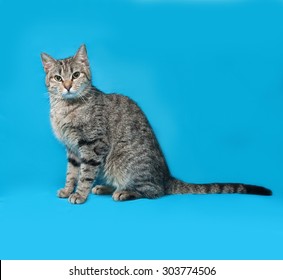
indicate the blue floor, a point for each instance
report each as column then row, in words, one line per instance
column 209, row 77
column 36, row 225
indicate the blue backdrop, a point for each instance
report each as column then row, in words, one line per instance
column 209, row 76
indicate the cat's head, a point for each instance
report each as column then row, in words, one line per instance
column 67, row 78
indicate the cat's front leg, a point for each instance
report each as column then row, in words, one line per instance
column 73, row 167
column 92, row 154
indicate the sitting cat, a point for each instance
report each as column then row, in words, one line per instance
column 109, row 138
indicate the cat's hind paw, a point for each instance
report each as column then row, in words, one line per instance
column 102, row 190
column 125, row 195
column 63, row 193
column 76, row 198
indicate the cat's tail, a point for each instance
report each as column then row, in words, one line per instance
column 176, row 186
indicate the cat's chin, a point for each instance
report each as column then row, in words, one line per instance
column 70, row 95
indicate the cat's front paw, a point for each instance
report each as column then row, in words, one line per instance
column 76, row 198
column 63, row 193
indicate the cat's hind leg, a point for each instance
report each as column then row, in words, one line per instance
column 102, row 190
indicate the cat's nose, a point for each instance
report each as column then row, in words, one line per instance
column 67, row 85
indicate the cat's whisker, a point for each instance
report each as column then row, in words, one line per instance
column 82, row 98
column 51, row 95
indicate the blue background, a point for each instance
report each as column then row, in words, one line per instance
column 209, row 76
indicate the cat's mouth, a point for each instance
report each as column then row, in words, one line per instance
column 73, row 94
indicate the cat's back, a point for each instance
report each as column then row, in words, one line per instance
column 122, row 108
column 125, row 116
column 123, row 104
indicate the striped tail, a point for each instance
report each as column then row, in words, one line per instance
column 176, row 186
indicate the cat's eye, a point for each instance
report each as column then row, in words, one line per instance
column 76, row 75
column 58, row 78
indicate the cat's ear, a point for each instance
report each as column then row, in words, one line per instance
column 81, row 55
column 47, row 61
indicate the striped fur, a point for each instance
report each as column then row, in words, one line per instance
column 109, row 140
column 175, row 186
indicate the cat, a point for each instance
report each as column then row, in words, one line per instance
column 109, row 139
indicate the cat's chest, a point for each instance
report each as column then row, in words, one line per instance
column 67, row 124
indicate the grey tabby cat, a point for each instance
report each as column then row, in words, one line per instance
column 109, row 139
